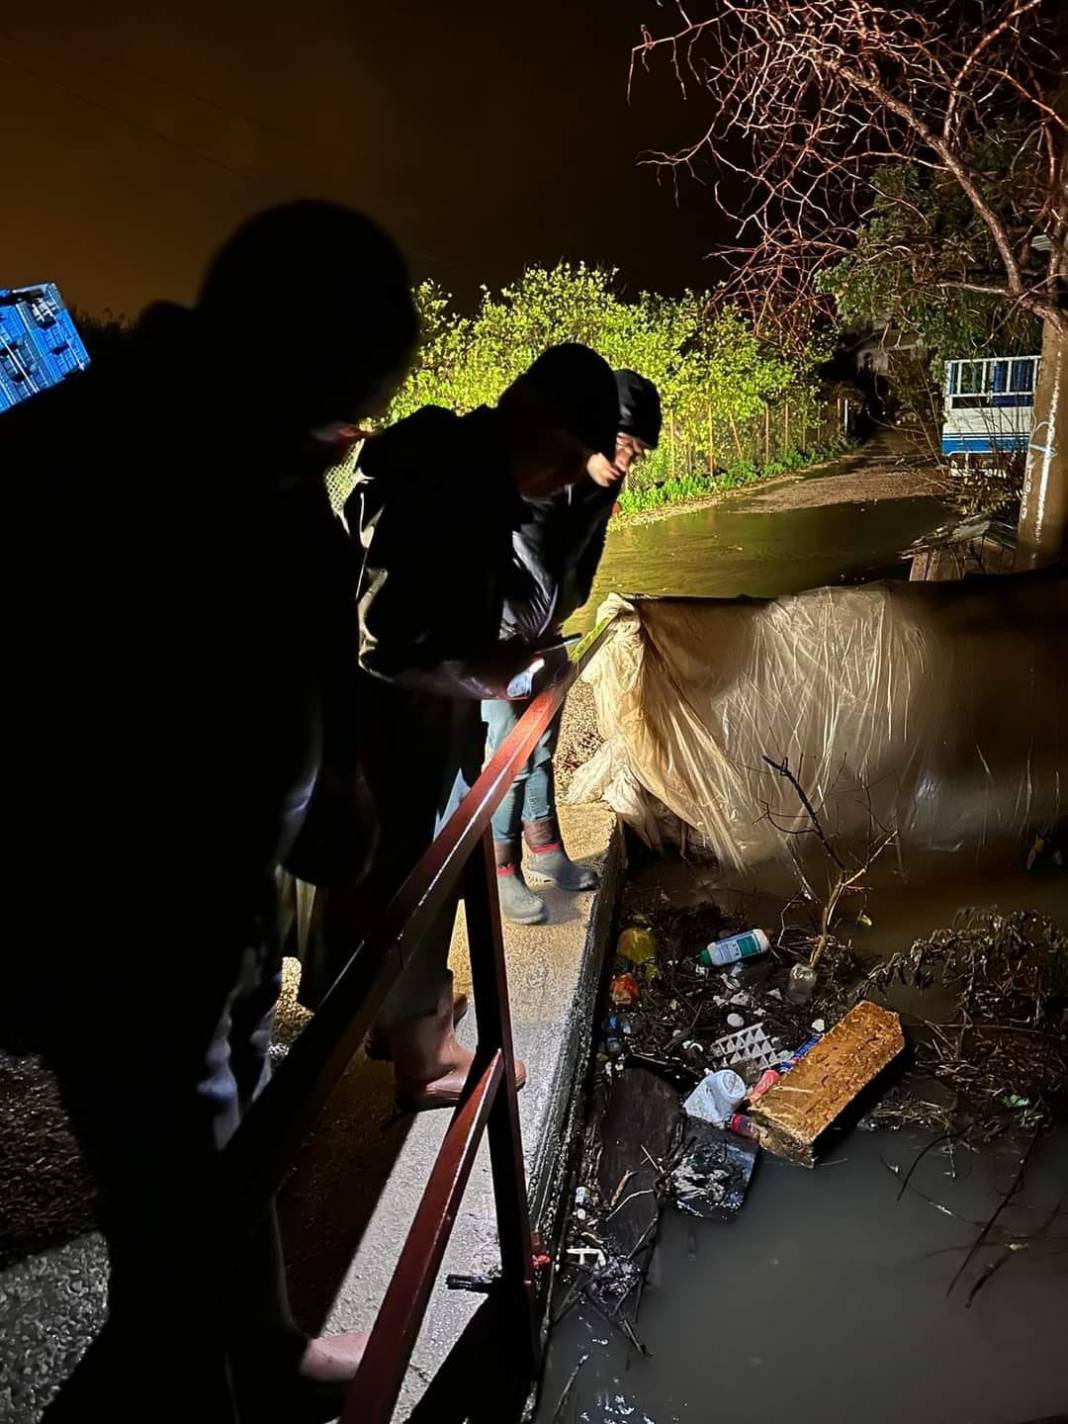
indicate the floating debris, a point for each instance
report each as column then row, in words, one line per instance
column 750, row 1046
column 637, row 946
column 716, row 1097
column 1003, row 1046
column 624, row 991
column 713, row 1175
column 793, row 1115
column 735, row 948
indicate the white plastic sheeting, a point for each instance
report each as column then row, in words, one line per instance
column 935, row 710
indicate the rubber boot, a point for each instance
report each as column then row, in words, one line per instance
column 519, row 903
column 550, row 861
column 377, row 1044
column 430, row 1065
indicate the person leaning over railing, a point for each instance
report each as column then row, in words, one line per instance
column 176, row 534
column 437, row 501
column 560, row 540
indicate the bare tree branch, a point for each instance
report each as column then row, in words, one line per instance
column 806, row 104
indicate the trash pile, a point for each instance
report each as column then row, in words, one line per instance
column 720, row 1041
column 701, row 1063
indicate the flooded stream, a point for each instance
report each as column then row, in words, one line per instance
column 731, row 549
column 826, row 1300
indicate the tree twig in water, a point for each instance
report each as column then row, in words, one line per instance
column 946, row 1137
column 990, row 1269
column 1017, row 1182
column 783, row 769
column 565, row 1395
column 632, row 1196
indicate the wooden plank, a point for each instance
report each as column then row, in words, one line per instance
column 793, row 1115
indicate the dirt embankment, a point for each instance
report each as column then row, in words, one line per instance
column 881, row 470
column 862, row 485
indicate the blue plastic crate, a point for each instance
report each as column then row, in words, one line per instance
column 39, row 343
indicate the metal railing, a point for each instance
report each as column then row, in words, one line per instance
column 262, row 1152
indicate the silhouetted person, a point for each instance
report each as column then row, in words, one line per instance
column 561, row 539
column 874, row 387
column 447, row 617
column 176, row 535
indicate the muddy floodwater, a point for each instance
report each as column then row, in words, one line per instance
column 743, row 547
column 825, row 1300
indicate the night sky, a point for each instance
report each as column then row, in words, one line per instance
column 484, row 134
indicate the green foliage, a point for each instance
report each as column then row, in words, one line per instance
column 685, row 488
column 921, row 239
column 715, row 376
column 922, row 236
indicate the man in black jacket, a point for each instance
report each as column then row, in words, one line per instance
column 176, row 534
column 449, row 617
column 561, row 538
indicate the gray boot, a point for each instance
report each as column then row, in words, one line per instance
column 549, row 859
column 518, row 902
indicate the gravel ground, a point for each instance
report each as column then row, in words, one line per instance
column 579, row 737
column 53, row 1265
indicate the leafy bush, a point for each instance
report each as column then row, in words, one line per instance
column 727, row 393
column 745, row 472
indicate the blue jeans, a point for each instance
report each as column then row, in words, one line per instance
column 532, row 796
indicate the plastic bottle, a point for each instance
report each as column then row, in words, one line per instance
column 767, row 1080
column 716, row 1097
column 749, row 945
column 802, row 983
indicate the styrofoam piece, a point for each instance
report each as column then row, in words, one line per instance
column 748, row 1045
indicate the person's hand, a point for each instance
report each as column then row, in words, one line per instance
column 603, row 472
column 522, row 685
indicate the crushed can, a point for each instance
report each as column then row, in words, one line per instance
column 767, row 1080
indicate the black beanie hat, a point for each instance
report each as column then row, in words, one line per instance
column 579, row 386
column 639, row 407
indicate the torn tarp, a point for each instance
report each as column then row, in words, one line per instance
column 936, row 709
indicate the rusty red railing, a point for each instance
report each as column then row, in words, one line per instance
column 263, row 1150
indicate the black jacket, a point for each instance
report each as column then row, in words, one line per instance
column 177, row 620
column 560, row 541
column 442, row 594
